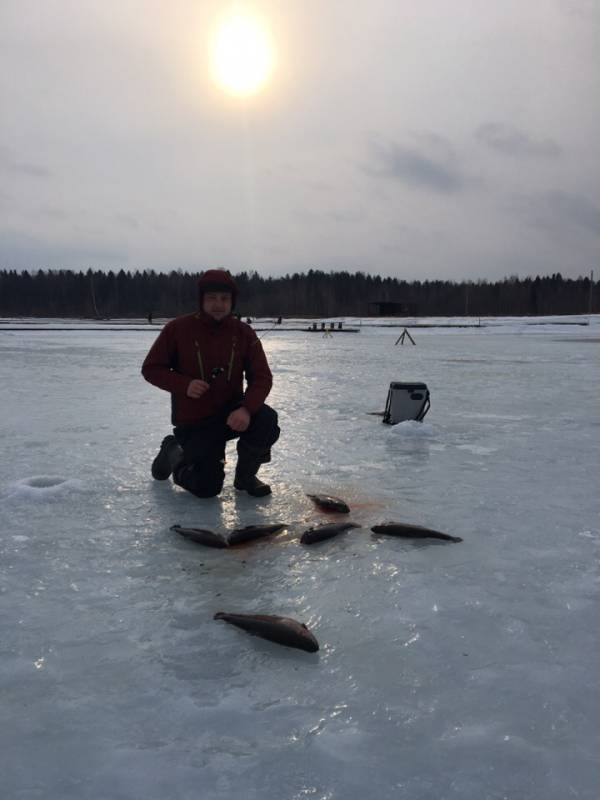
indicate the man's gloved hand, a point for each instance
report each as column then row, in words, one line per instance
column 239, row 419
column 197, row 388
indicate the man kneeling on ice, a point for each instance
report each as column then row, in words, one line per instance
column 201, row 359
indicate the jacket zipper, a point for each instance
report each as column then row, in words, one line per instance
column 199, row 357
column 231, row 360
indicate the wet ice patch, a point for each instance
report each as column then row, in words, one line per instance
column 477, row 449
column 411, row 428
column 42, row 488
column 343, row 742
column 473, row 732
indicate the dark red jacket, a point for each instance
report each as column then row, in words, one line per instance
column 191, row 347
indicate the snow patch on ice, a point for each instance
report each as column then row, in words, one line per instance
column 41, row 488
column 412, row 428
column 591, row 534
column 477, row 449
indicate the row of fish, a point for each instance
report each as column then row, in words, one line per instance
column 318, row 533
column 329, row 503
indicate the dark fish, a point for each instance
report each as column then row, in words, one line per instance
column 412, row 531
column 329, row 503
column 200, row 536
column 321, row 532
column 282, row 630
column 251, row 532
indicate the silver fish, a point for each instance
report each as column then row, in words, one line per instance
column 329, row 503
column 409, row 531
column 200, row 536
column 282, row 630
column 321, row 532
column 251, row 532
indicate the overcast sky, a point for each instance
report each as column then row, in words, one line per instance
column 414, row 138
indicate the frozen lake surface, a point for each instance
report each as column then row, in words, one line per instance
column 446, row 671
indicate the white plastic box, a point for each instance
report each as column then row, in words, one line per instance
column 406, row 401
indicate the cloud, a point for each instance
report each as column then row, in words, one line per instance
column 19, row 250
column 23, row 168
column 430, row 165
column 345, row 215
column 513, row 142
column 586, row 10
column 127, row 221
column 340, row 215
column 553, row 210
column 576, row 209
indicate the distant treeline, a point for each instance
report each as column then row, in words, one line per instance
column 64, row 293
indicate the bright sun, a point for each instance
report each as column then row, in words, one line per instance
column 242, row 54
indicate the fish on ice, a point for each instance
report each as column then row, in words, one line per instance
column 252, row 532
column 410, row 531
column 282, row 630
column 329, row 503
column 200, row 536
column 328, row 530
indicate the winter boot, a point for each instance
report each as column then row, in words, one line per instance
column 168, row 457
column 248, row 464
column 251, row 484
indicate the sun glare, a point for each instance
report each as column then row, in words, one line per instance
column 242, row 54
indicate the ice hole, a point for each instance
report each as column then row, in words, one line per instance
column 43, row 481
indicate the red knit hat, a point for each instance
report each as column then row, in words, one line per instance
column 217, row 280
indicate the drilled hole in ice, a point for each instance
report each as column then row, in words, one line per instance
column 43, row 481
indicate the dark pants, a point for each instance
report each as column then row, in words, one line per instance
column 202, row 470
